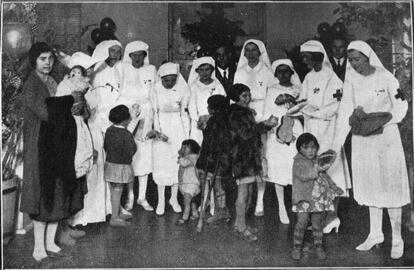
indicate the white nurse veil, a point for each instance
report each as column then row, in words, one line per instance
column 193, row 77
column 364, row 48
column 264, row 57
column 295, row 78
column 135, row 46
column 101, row 52
column 316, row 46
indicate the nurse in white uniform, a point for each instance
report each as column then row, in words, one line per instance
column 254, row 70
column 138, row 79
column 171, row 96
column 378, row 163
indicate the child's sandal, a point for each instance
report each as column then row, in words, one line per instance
column 181, row 221
column 246, row 235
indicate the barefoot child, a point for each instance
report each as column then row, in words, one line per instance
column 120, row 147
column 188, row 182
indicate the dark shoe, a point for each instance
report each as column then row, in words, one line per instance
column 119, row 223
column 66, row 239
column 307, row 248
column 75, row 233
column 245, row 235
column 296, row 252
column 60, row 254
column 320, row 253
column 181, row 221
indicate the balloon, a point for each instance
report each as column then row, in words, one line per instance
column 16, row 39
column 338, row 28
column 97, row 36
column 323, row 28
column 108, row 26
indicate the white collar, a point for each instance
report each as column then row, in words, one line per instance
column 119, row 126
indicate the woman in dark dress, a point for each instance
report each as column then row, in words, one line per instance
column 49, row 135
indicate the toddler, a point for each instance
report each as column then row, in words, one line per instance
column 188, row 182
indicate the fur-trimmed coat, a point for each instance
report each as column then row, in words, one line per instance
column 245, row 143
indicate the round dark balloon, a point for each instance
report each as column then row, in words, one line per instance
column 97, row 36
column 338, row 28
column 108, row 26
column 323, row 28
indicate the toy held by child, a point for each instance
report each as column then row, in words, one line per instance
column 188, row 182
column 120, row 147
column 77, row 81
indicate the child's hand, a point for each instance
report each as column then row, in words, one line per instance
column 180, row 153
column 322, row 168
column 272, row 121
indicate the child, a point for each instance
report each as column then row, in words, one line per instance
column 311, row 195
column 280, row 147
column 203, row 84
column 120, row 147
column 246, row 161
column 188, row 182
column 214, row 156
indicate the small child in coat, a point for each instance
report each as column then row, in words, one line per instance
column 120, row 147
column 312, row 193
column 188, row 182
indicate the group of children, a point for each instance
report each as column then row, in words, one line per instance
column 232, row 147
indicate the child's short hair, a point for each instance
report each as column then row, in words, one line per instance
column 82, row 69
column 306, row 138
column 236, row 90
column 194, row 146
column 119, row 114
column 218, row 103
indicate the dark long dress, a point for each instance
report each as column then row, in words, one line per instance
column 50, row 190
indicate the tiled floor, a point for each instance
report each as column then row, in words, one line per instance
column 156, row 242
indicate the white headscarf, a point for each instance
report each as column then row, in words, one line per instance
column 136, row 46
column 264, row 57
column 365, row 49
column 172, row 69
column 193, row 77
column 81, row 59
column 101, row 52
column 316, row 46
column 295, row 78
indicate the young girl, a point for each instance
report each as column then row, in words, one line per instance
column 120, row 147
column 203, row 84
column 280, row 151
column 312, row 194
column 246, row 162
column 188, row 182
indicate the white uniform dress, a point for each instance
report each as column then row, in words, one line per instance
column 258, row 79
column 378, row 164
column 319, row 89
column 137, row 87
column 106, row 84
column 171, row 119
column 198, row 104
column 279, row 155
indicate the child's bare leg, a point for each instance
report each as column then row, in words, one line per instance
column 242, row 195
column 187, row 206
column 194, row 211
column 130, row 201
column 116, row 191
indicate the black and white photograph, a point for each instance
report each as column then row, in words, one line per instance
column 207, row 134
